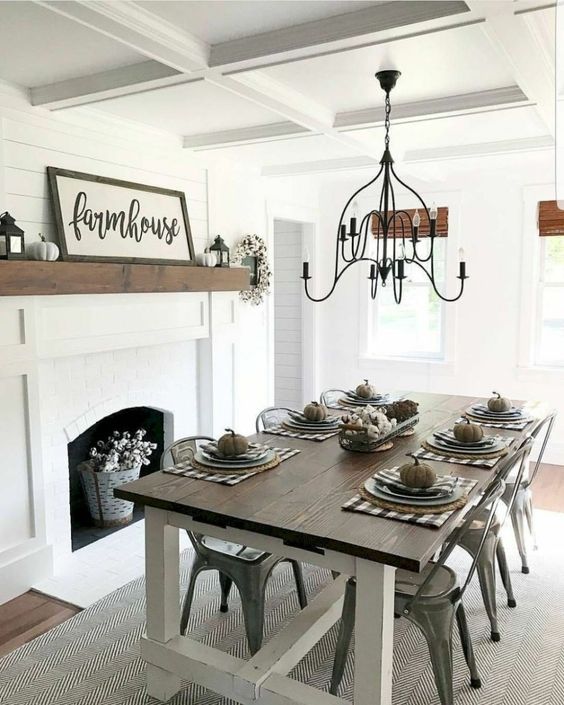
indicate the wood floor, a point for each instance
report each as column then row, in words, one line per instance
column 28, row 616
column 32, row 614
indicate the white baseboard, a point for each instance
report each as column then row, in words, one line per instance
column 17, row 576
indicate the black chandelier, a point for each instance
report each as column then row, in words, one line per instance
column 394, row 230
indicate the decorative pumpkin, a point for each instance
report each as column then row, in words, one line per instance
column 402, row 410
column 206, row 259
column 315, row 412
column 417, row 474
column 366, row 391
column 499, row 403
column 467, row 432
column 43, row 250
column 232, row 444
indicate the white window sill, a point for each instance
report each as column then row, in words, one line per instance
column 407, row 364
column 540, row 373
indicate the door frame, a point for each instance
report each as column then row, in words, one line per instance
column 308, row 219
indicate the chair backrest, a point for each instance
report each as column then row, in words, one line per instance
column 179, row 451
column 484, row 510
column 271, row 416
column 330, row 397
column 182, row 449
column 515, row 465
column 548, row 422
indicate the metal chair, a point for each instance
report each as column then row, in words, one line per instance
column 492, row 548
column 330, row 398
column 271, row 416
column 431, row 600
column 247, row 567
column 522, row 507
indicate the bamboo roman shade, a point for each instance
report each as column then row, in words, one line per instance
column 441, row 227
column 550, row 219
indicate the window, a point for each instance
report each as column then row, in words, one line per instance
column 550, row 309
column 415, row 328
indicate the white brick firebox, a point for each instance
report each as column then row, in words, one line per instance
column 69, row 361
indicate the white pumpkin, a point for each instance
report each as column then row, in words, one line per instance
column 206, row 259
column 43, row 251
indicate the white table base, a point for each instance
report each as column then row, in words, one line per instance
column 263, row 679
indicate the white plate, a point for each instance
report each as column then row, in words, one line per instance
column 301, row 419
column 254, row 452
column 293, row 426
column 371, row 487
column 407, row 495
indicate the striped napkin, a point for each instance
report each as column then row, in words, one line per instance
column 434, row 521
column 478, row 462
column 186, row 470
column 305, row 435
column 444, row 484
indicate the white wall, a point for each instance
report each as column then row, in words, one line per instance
column 63, row 360
column 489, row 199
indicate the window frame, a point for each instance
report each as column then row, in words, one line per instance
column 452, row 199
column 540, row 287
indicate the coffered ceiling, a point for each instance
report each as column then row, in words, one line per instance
column 288, row 85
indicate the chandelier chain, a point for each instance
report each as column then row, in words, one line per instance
column 387, row 120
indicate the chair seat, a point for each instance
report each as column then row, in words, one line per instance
column 443, row 583
column 244, row 553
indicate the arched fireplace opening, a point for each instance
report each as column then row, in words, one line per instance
column 86, row 527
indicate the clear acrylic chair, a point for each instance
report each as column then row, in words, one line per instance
column 522, row 507
column 492, row 548
column 432, row 600
column 247, row 567
column 271, row 416
column 330, row 398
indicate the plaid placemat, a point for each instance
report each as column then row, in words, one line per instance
column 186, row 470
column 434, row 521
column 508, row 425
column 304, row 435
column 478, row 462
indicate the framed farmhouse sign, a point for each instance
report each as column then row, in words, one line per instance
column 108, row 220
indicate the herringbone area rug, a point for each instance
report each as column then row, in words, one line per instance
column 92, row 659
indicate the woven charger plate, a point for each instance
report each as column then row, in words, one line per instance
column 464, row 456
column 412, row 508
column 235, row 470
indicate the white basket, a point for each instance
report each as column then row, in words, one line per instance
column 105, row 509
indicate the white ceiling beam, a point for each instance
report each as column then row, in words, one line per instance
column 101, row 86
column 449, row 106
column 160, row 41
column 469, row 103
column 512, row 35
column 345, row 31
column 413, row 157
column 482, row 149
column 244, row 135
column 289, row 104
column 143, row 31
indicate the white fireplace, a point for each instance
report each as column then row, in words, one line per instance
column 70, row 361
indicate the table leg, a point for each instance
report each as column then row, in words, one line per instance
column 374, row 633
column 162, row 573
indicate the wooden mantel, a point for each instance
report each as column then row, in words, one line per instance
column 30, row 278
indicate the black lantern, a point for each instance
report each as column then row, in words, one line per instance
column 11, row 238
column 221, row 251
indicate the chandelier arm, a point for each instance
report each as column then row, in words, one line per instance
column 437, row 292
column 337, row 277
column 424, row 206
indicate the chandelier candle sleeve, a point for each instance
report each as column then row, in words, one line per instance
column 395, row 230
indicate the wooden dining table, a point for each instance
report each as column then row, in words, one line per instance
column 293, row 510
